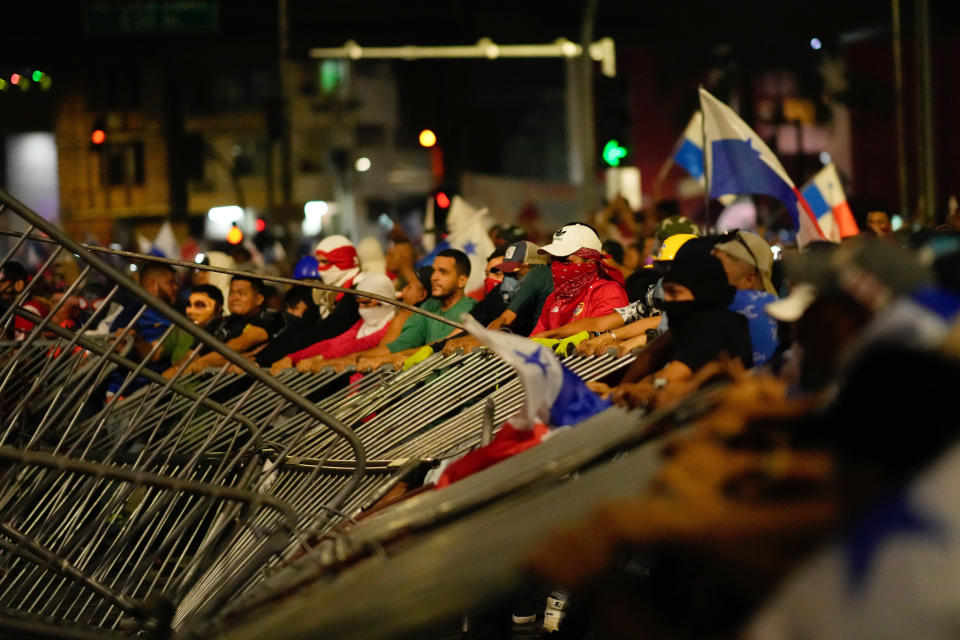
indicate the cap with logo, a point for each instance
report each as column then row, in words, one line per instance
column 571, row 237
column 753, row 250
column 518, row 254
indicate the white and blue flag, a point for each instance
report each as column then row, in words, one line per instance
column 689, row 153
column 552, row 394
column 739, row 161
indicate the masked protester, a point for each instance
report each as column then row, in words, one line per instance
column 583, row 285
column 338, row 265
column 375, row 317
column 701, row 328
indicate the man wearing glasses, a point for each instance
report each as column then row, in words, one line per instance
column 748, row 261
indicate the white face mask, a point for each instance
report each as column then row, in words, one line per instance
column 374, row 318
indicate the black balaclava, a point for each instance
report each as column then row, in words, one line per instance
column 704, row 276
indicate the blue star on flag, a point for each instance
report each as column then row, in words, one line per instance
column 532, row 358
column 469, row 248
column 896, row 516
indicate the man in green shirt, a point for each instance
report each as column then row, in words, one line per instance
column 451, row 270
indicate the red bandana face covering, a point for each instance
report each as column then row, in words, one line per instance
column 570, row 279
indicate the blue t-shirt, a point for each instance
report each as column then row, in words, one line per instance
column 763, row 329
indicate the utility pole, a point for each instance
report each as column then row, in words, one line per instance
column 898, row 107
column 927, row 184
column 588, row 131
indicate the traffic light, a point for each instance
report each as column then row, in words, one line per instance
column 235, row 235
column 613, row 153
column 98, row 134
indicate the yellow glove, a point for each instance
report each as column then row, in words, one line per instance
column 568, row 346
column 418, row 356
column 549, row 343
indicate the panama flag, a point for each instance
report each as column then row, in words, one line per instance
column 824, row 194
column 689, row 153
column 740, row 162
column 553, row 396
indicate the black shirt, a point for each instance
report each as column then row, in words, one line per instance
column 302, row 334
column 712, row 333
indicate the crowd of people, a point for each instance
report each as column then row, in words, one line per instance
column 833, row 366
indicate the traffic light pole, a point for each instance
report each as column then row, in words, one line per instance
column 581, row 139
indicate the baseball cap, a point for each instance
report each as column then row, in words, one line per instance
column 520, row 253
column 753, row 250
column 674, row 225
column 571, row 237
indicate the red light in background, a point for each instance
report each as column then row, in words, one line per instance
column 260, row 225
column 442, row 200
column 15, row 78
column 98, row 136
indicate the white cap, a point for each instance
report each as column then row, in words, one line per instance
column 791, row 308
column 571, row 237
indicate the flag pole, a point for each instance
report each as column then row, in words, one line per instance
column 665, row 168
column 706, row 169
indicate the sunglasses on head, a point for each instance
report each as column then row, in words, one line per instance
column 735, row 236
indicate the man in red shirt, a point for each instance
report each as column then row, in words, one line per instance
column 583, row 285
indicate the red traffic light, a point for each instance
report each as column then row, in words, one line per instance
column 98, row 136
column 442, row 200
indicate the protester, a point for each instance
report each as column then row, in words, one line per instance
column 495, row 300
column 338, row 265
column 414, row 293
column 879, row 223
column 204, row 309
column 13, row 280
column 583, row 286
column 701, row 329
column 626, row 328
column 298, row 304
column 159, row 280
column 248, row 327
column 451, row 271
column 367, row 332
column 748, row 262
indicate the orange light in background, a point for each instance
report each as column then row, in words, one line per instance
column 98, row 136
column 427, row 138
column 235, row 235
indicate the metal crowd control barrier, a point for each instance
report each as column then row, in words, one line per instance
column 112, row 513
column 460, row 548
column 182, row 498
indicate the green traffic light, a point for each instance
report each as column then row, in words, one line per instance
column 613, row 153
column 37, row 76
